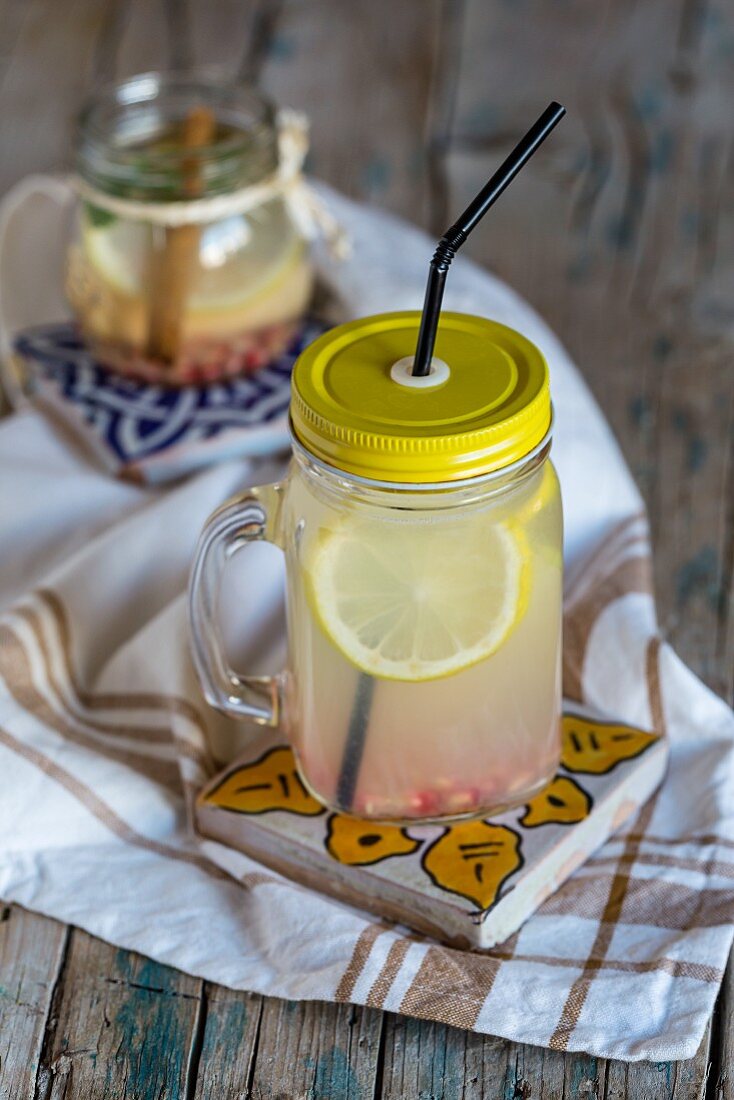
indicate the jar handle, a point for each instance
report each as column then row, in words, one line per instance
column 32, row 237
column 251, row 517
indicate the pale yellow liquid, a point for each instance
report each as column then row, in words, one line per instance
column 250, row 272
column 480, row 740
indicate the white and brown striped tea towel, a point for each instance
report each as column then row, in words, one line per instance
column 104, row 738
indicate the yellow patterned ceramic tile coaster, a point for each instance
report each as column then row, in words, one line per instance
column 472, row 883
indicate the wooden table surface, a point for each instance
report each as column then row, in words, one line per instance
column 621, row 233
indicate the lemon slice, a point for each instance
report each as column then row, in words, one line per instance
column 408, row 603
column 240, row 259
column 119, row 252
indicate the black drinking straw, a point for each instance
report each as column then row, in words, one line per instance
column 352, row 759
column 454, row 237
column 446, row 249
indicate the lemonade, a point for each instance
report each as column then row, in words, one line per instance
column 463, row 709
column 422, row 530
column 251, row 272
column 186, row 262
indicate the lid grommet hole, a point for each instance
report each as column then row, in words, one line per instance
column 401, row 372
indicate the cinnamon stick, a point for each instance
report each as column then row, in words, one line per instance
column 174, row 263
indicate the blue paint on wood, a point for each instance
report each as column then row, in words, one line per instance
column 661, row 151
column 697, row 447
column 152, row 1025
column 640, row 411
column 662, row 347
column 483, row 119
column 579, row 268
column 376, row 174
column 689, row 222
column 417, row 162
column 435, row 1063
column 333, row 1077
column 282, row 47
column 648, row 102
column 226, row 1026
column 698, row 452
column 699, row 577
column 584, row 1077
column 620, row 231
column 681, row 420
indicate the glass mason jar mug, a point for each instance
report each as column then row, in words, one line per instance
column 186, row 262
column 421, row 525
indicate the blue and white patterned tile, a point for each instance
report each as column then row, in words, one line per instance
column 156, row 432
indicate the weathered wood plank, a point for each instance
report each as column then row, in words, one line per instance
column 123, row 1026
column 424, row 1059
column 144, row 41
column 35, row 112
column 364, row 74
column 621, row 233
column 660, row 1080
column 236, row 41
column 722, row 1071
column 315, row 1050
column 224, row 1065
column 31, row 954
column 428, row 1060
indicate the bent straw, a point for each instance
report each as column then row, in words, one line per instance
column 444, row 254
column 173, row 264
column 455, row 236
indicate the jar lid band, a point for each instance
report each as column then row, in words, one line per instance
column 307, row 209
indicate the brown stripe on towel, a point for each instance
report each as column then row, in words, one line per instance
column 139, row 731
column 578, row 993
column 142, row 731
column 389, row 971
column 101, row 810
column 16, row 671
column 261, row 878
column 708, row 839
column 650, row 901
column 632, row 575
column 113, row 700
column 677, row 968
column 451, row 986
column 707, row 866
column 360, row 954
column 618, row 540
column 652, row 675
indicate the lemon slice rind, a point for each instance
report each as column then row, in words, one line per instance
column 415, row 620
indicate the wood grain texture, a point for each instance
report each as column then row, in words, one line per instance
column 364, row 73
column 31, row 955
column 122, row 1026
column 223, row 1065
column 36, row 113
column 426, row 1060
column 315, row 1050
column 659, row 1080
column 721, row 1076
column 621, row 232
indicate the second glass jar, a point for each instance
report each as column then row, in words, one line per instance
column 198, row 300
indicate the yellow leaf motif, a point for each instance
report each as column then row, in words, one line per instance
column 359, row 843
column 270, row 783
column 562, row 802
column 594, row 748
column 474, row 859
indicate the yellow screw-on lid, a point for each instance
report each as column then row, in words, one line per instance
column 348, row 409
